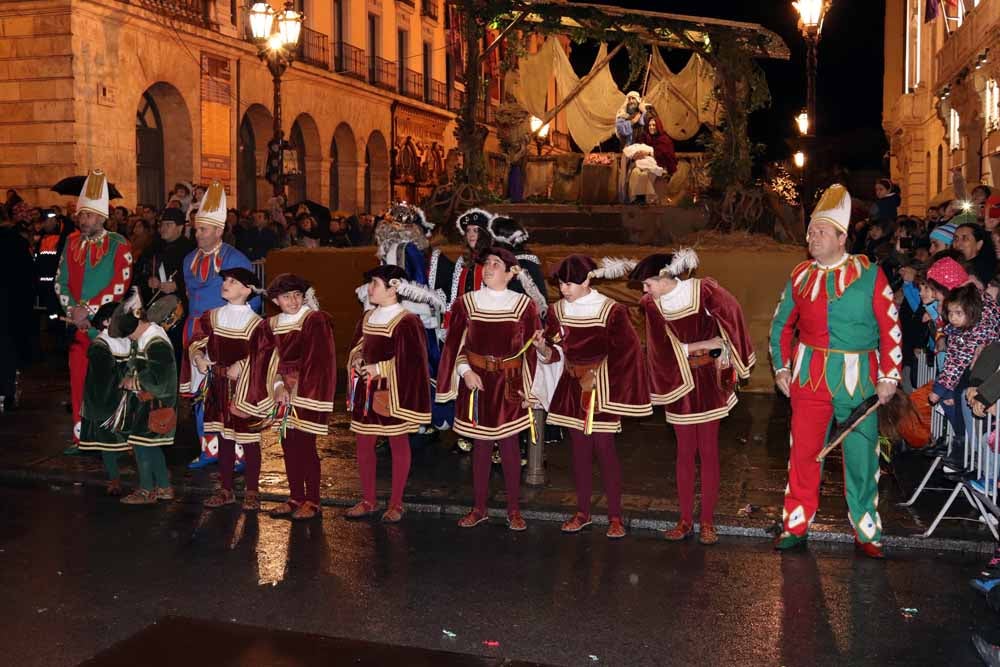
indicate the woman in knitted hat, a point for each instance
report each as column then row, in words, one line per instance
column 225, row 343
column 941, row 237
column 597, row 377
column 388, row 387
column 687, row 321
column 487, row 368
column 302, row 388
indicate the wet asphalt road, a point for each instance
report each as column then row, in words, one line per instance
column 81, row 573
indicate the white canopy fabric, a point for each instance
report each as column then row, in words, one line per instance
column 683, row 101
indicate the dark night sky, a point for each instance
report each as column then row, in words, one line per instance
column 849, row 84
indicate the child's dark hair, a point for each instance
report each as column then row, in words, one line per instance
column 968, row 298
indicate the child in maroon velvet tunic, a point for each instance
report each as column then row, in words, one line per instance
column 305, row 382
column 226, row 345
column 388, row 387
column 600, row 377
column 487, row 368
column 686, row 320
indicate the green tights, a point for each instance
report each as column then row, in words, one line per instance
column 152, row 468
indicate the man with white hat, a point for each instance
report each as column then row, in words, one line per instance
column 95, row 269
column 849, row 348
column 204, row 291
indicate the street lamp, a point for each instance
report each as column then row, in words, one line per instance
column 540, row 132
column 276, row 35
column 799, row 159
column 802, row 122
column 811, row 15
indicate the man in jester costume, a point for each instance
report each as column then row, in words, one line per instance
column 95, row 269
column 204, row 291
column 841, row 308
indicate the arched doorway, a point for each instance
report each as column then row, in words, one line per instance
column 376, row 173
column 344, row 170
column 164, row 142
column 150, row 187
column 305, row 140
column 246, row 168
column 256, row 129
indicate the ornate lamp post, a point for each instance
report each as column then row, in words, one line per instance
column 802, row 122
column 811, row 15
column 276, row 35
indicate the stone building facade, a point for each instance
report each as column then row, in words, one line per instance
column 941, row 101
column 161, row 91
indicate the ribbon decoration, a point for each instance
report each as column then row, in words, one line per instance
column 588, row 425
column 352, row 383
column 474, row 407
column 368, row 395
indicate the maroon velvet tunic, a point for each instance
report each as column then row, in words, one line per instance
column 502, row 335
column 230, row 407
column 609, row 341
column 307, row 364
column 694, row 395
column 399, row 349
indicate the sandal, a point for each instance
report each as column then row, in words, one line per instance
column 472, row 519
column 307, row 510
column 164, row 493
column 139, row 497
column 220, row 498
column 516, row 522
column 394, row 514
column 285, row 509
column 251, row 501
column 577, row 523
column 361, row 510
column 113, row 487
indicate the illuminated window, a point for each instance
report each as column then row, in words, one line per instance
column 954, row 138
column 991, row 102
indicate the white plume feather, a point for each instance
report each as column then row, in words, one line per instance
column 684, row 260
column 133, row 301
column 614, row 267
column 311, row 300
column 531, row 289
column 362, row 294
column 410, row 291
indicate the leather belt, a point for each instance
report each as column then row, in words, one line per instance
column 490, row 363
column 700, row 358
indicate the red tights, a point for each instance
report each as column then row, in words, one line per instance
column 301, row 465
column 400, row 447
column 703, row 440
column 510, row 459
column 584, row 448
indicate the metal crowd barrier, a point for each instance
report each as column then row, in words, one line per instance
column 982, row 460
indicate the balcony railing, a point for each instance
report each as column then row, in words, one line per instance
column 382, row 72
column 189, row 11
column 413, row 84
column 438, row 94
column 350, row 60
column 456, row 100
column 314, row 48
column 429, row 8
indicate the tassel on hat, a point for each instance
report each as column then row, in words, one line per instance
column 212, row 209
column 94, row 195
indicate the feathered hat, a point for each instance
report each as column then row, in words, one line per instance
column 579, row 268
column 406, row 290
column 94, row 195
column 246, row 277
column 671, row 265
column 212, row 208
column 474, row 216
column 291, row 282
column 522, row 276
column 834, row 207
column 507, row 230
column 412, row 215
column 126, row 316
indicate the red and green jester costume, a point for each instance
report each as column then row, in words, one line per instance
column 848, row 340
column 92, row 272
